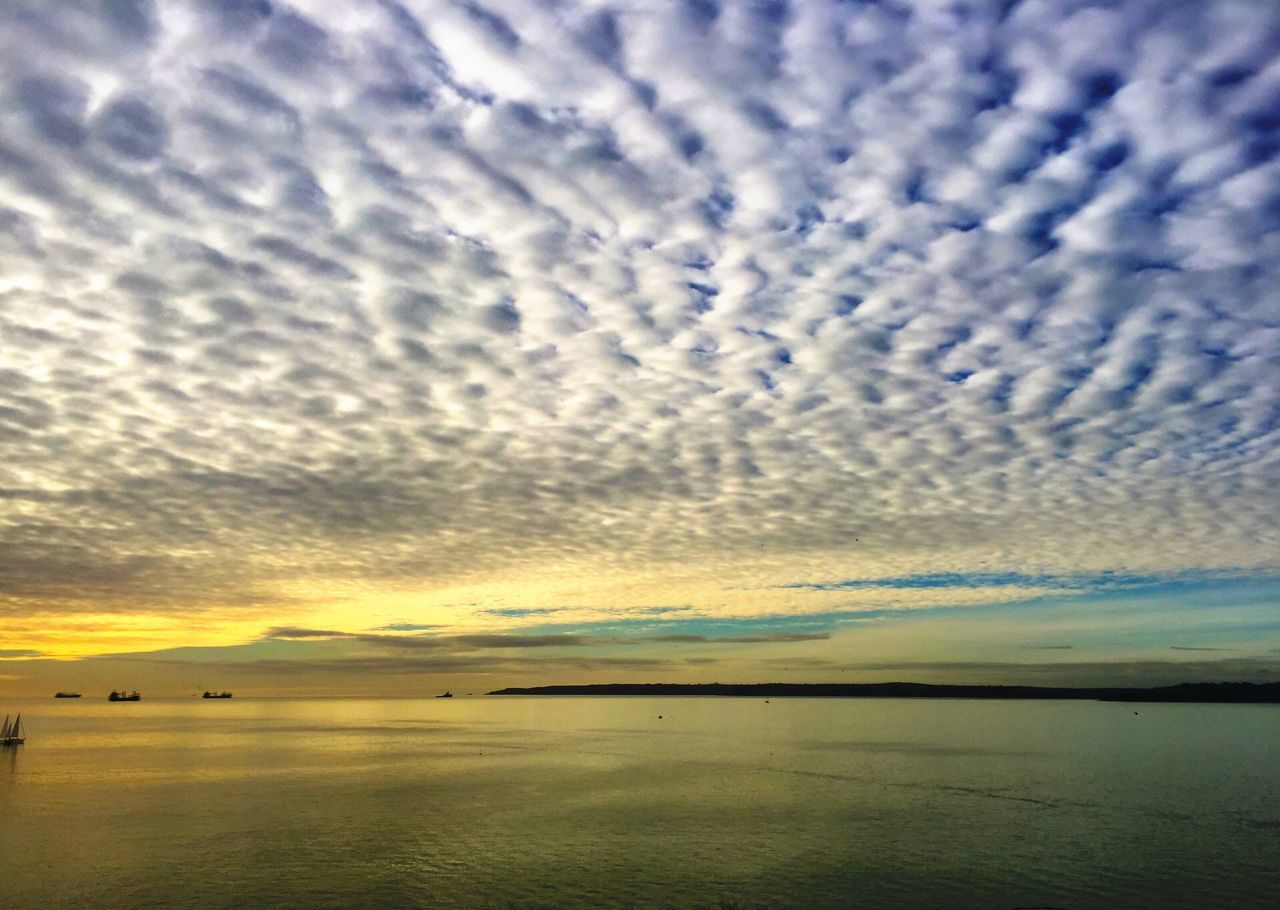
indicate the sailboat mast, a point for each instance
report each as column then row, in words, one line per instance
column 11, row 732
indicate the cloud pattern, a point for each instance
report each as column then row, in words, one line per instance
column 396, row 292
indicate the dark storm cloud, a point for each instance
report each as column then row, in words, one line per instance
column 399, row 291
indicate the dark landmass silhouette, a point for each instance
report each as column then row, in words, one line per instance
column 1221, row 692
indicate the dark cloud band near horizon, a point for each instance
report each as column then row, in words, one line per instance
column 305, row 304
column 515, row 640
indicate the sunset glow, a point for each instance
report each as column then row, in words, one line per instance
column 381, row 348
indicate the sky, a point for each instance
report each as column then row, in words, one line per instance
column 391, row 346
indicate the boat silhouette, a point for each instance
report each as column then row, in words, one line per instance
column 122, row 696
column 447, row 694
column 66, row 695
column 216, row 695
column 11, row 734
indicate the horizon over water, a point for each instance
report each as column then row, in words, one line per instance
column 589, row 802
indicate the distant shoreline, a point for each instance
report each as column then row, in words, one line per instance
column 1210, row 693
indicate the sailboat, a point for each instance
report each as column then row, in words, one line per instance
column 11, row 734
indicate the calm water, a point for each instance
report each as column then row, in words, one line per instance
column 595, row 802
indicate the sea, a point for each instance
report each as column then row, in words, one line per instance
column 513, row 803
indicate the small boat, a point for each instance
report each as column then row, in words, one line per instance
column 66, row 695
column 122, row 696
column 447, row 694
column 11, row 734
column 216, row 695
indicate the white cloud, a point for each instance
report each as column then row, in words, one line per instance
column 406, row 291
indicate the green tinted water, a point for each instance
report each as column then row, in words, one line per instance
column 596, row 802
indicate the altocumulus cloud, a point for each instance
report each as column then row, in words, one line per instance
column 385, row 290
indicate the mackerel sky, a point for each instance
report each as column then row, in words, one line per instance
column 723, row 339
